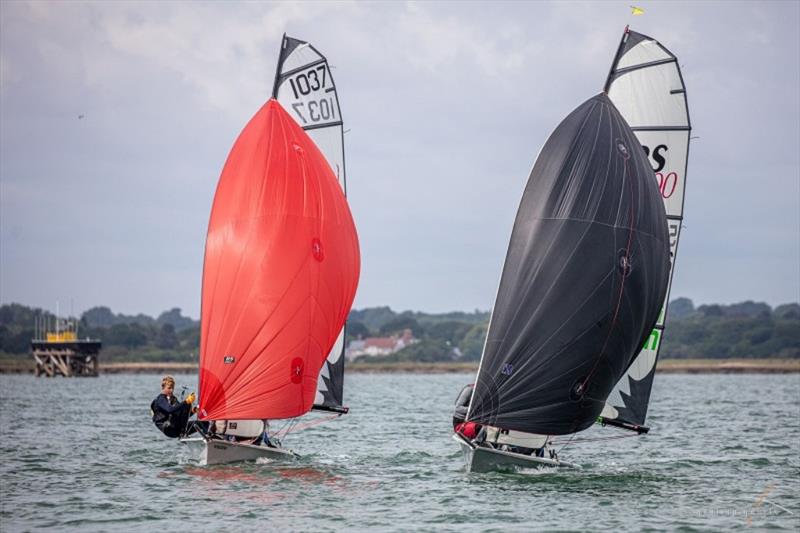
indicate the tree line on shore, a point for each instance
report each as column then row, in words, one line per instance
column 742, row 330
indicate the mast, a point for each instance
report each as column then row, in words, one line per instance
column 646, row 85
column 305, row 87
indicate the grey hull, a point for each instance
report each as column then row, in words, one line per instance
column 483, row 459
column 214, row 452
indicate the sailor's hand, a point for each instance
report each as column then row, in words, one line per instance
column 190, row 399
column 195, row 409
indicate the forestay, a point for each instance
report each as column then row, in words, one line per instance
column 305, row 87
column 583, row 280
column 646, row 85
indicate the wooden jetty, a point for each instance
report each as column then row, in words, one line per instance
column 62, row 353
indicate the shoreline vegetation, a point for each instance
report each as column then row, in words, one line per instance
column 666, row 366
column 734, row 338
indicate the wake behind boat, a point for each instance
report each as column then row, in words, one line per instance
column 281, row 269
column 577, row 323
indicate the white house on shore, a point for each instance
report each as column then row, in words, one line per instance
column 379, row 346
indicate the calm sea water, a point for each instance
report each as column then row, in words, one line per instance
column 82, row 454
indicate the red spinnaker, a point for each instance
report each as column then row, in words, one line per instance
column 280, row 274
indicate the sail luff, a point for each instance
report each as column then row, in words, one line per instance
column 496, row 294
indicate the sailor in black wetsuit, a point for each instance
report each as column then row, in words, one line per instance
column 170, row 415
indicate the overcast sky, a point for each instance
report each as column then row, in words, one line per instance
column 447, row 106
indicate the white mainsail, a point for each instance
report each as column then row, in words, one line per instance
column 646, row 86
column 304, row 86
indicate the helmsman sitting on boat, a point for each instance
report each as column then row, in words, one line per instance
column 470, row 430
column 170, row 415
column 495, row 438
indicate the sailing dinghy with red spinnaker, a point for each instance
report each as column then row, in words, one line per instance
column 280, row 274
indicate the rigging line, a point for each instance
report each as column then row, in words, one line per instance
column 566, row 443
column 570, row 441
column 284, row 426
column 286, row 429
column 311, row 424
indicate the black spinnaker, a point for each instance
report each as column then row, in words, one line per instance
column 583, row 282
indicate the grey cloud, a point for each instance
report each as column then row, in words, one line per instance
column 447, row 108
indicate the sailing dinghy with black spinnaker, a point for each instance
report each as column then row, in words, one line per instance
column 587, row 274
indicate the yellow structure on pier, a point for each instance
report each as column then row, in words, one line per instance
column 62, row 352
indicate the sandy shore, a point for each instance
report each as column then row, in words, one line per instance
column 666, row 366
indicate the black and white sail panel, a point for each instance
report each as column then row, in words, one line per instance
column 583, row 281
column 330, row 386
column 646, row 85
column 304, row 86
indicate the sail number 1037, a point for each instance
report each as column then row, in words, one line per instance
column 316, row 110
column 309, row 81
column 312, row 108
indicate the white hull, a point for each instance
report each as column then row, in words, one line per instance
column 214, row 452
column 484, row 459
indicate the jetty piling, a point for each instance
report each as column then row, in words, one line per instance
column 63, row 353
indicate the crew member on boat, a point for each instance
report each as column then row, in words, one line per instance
column 170, row 415
column 470, row 430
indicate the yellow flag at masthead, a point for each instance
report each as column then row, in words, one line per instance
column 637, row 10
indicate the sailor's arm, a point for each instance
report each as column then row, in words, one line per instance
column 163, row 405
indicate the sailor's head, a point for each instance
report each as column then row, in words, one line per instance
column 167, row 385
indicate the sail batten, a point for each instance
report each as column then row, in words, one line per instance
column 646, row 84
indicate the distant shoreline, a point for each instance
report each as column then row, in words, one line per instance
column 666, row 366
